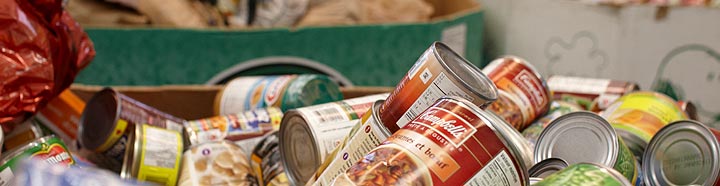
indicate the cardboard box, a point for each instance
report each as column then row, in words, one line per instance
column 653, row 46
column 367, row 55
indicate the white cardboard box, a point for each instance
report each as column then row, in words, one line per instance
column 641, row 43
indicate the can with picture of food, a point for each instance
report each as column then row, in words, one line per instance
column 523, row 94
column 438, row 72
column 557, row 109
column 49, row 149
column 216, row 163
column 266, row 163
column 22, row 134
column 367, row 134
column 684, row 152
column 309, row 134
column 586, row 137
column 153, row 155
column 639, row 115
column 282, row 91
column 586, row 174
column 109, row 117
column 453, row 142
column 244, row 128
column 597, row 93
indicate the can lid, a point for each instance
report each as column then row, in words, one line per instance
column 547, row 167
column 298, row 147
column 98, row 119
column 578, row 137
column 470, row 75
column 682, row 153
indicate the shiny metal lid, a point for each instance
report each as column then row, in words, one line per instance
column 578, row 137
column 682, row 153
column 547, row 167
column 298, row 148
column 470, row 76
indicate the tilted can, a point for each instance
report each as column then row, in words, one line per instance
column 586, row 174
column 266, row 163
column 368, row 133
column 597, row 93
column 49, row 149
column 683, row 153
column 107, row 120
column 453, row 142
column 62, row 116
column 586, row 137
column 523, row 94
column 639, row 115
column 282, row 91
column 309, row 134
column 244, row 128
column 437, row 73
column 153, row 155
column 557, row 109
column 216, row 163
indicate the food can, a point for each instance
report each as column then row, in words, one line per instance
column 639, row 115
column 283, row 91
column 683, row 153
column 453, row 142
column 586, row 137
column 523, row 94
column 49, row 149
column 689, row 108
column 23, row 134
column 309, row 134
column 363, row 137
column 245, row 128
column 557, row 109
column 586, row 174
column 266, row 163
column 153, row 155
column 438, row 72
column 215, row 163
column 546, row 167
column 62, row 117
column 597, row 93
column 533, row 180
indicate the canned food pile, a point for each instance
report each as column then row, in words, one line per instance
column 446, row 123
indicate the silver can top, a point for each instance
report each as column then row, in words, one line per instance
column 682, row 153
column 578, row 137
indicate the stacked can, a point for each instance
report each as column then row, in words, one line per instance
column 523, row 94
column 594, row 94
column 244, row 128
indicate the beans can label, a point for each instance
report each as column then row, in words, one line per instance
column 236, row 127
column 160, row 155
column 521, row 91
column 248, row 93
column 643, row 113
column 581, row 174
column 439, row 147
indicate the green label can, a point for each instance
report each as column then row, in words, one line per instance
column 49, row 149
column 586, row 174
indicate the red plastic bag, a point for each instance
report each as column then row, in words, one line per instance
column 41, row 51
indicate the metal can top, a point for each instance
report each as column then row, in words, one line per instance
column 683, row 153
column 579, row 137
column 99, row 119
column 547, row 167
column 295, row 128
column 470, row 76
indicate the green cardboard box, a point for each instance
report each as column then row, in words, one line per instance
column 368, row 55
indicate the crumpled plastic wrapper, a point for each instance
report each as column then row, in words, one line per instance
column 348, row 12
column 41, row 51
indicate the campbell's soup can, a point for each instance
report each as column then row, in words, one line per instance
column 453, row 142
column 309, row 134
column 266, row 163
column 639, row 115
column 154, row 155
column 49, row 149
column 438, row 72
column 684, row 152
column 109, row 117
column 282, row 91
column 367, row 134
column 586, row 174
column 245, row 128
column 597, row 94
column 557, row 109
column 523, row 94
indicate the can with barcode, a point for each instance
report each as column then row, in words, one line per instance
column 684, row 152
column 216, row 163
column 586, row 137
column 283, row 91
column 586, row 174
column 523, row 94
column 453, row 142
column 438, row 72
column 596, row 94
column 557, row 109
column 266, row 163
column 368, row 133
column 309, row 134
column 244, row 128
column 153, row 155
column 107, row 120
